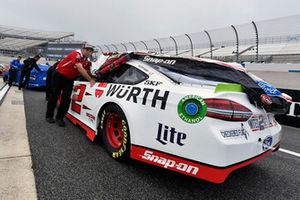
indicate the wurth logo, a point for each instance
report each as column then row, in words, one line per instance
column 100, row 89
column 139, row 95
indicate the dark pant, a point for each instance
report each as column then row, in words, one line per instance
column 12, row 76
column 60, row 86
column 49, row 82
column 24, row 74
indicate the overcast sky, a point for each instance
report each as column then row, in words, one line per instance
column 115, row 21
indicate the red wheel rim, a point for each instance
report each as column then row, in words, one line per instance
column 114, row 131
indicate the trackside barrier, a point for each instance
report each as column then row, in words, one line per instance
column 292, row 118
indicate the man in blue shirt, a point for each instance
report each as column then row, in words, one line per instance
column 15, row 66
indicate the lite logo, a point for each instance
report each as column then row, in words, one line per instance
column 167, row 134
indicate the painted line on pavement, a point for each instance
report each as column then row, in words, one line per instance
column 290, row 152
column 3, row 92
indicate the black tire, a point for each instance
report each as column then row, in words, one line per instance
column 115, row 132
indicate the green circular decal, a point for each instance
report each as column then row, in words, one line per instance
column 191, row 109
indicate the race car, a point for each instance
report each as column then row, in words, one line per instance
column 3, row 69
column 199, row 117
column 37, row 79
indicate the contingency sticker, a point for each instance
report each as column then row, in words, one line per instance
column 269, row 89
column 191, row 109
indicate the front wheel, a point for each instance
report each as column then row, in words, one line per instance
column 115, row 132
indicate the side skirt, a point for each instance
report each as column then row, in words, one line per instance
column 188, row 167
column 90, row 133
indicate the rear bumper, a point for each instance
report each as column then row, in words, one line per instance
column 199, row 170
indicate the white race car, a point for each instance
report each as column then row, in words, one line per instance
column 199, row 117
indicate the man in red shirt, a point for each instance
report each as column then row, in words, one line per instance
column 63, row 78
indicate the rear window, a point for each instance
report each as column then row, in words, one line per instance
column 191, row 75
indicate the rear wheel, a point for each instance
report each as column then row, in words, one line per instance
column 115, row 132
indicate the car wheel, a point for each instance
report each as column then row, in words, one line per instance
column 115, row 132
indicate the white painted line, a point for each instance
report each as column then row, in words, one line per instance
column 290, row 152
column 3, row 91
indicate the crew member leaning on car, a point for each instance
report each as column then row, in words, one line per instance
column 29, row 64
column 50, row 72
column 63, row 78
column 15, row 66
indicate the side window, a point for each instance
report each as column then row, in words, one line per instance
column 126, row 74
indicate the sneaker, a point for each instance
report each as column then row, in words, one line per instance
column 60, row 122
column 50, row 120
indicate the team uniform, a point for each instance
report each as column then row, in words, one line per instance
column 62, row 83
column 15, row 66
column 29, row 64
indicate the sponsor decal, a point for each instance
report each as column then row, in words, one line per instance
column 265, row 99
column 191, row 109
column 167, row 134
column 169, row 163
column 294, row 109
column 235, row 133
column 100, row 89
column 154, row 83
column 159, row 60
column 85, row 107
column 267, row 143
column 269, row 89
column 139, row 95
column 91, row 117
column 260, row 122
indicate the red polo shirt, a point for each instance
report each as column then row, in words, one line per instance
column 66, row 66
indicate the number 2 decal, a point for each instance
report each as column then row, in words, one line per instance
column 77, row 98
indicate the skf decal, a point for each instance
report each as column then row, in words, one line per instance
column 235, row 133
column 154, row 83
column 169, row 134
column 169, row 163
column 191, row 109
column 100, row 89
column 130, row 93
column 267, row 143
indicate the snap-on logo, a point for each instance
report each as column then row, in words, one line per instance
column 159, row 60
column 169, row 163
